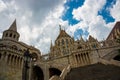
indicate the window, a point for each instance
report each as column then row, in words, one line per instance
column 62, row 41
column 10, row 34
column 79, row 47
column 94, row 46
column 66, row 41
column 6, row 34
column 14, row 36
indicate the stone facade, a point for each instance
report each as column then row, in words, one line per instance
column 65, row 54
column 11, row 54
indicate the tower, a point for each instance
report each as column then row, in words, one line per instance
column 11, row 33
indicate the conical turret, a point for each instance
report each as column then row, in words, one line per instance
column 11, row 33
column 13, row 26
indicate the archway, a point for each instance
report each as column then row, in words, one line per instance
column 37, row 73
column 54, row 71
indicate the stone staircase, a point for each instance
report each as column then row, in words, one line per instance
column 96, row 71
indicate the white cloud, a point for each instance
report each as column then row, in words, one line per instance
column 89, row 10
column 41, row 34
column 115, row 10
column 90, row 21
column 37, row 21
column 2, row 6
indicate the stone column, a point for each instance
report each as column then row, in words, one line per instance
column 46, row 72
column 87, row 58
column 6, row 57
column 83, row 59
column 75, row 63
column 82, row 62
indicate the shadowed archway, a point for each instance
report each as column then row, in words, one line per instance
column 37, row 73
column 54, row 71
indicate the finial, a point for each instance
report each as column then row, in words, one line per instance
column 13, row 26
column 51, row 44
column 60, row 27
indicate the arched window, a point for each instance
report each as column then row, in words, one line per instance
column 10, row 34
column 62, row 41
column 66, row 41
column 6, row 35
column 14, row 36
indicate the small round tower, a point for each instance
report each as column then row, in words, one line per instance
column 11, row 33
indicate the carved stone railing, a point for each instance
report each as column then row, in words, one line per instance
column 65, row 71
column 55, row 77
column 112, row 62
column 11, row 49
column 115, row 62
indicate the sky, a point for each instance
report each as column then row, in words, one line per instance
column 38, row 20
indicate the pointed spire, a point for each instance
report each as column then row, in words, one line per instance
column 60, row 27
column 51, row 44
column 81, row 38
column 13, row 26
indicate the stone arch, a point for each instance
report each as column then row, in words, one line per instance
column 54, row 71
column 37, row 73
column 34, row 56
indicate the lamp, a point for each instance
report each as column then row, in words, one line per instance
column 27, row 59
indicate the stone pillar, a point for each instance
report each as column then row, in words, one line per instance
column 85, row 58
column 46, row 72
column 81, row 60
column 6, row 57
column 75, row 63
column 88, row 57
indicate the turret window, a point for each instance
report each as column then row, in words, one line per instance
column 6, row 34
column 10, row 34
column 14, row 36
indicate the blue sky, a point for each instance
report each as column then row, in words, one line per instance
column 38, row 20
